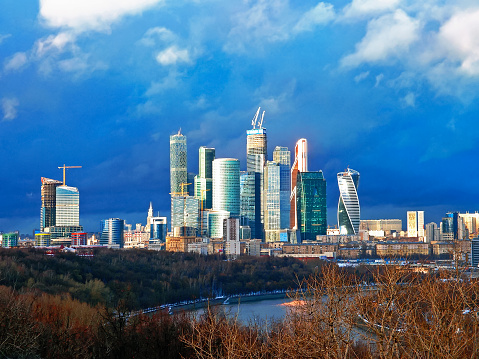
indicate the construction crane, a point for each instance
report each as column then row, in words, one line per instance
column 182, row 193
column 253, row 122
column 260, row 124
column 64, row 168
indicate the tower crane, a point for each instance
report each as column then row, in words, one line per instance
column 64, row 168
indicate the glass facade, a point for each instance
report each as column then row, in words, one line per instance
column 272, row 201
column 348, row 205
column 204, row 179
column 311, row 204
column 215, row 221
column 158, row 229
column 42, row 239
column 300, row 165
column 178, row 162
column 112, row 232
column 226, row 186
column 250, row 206
column 282, row 156
column 63, row 231
column 9, row 240
column 185, row 212
column 67, row 206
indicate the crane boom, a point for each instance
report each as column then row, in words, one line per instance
column 253, row 122
column 261, row 122
column 64, row 168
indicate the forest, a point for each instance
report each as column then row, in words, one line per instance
column 141, row 278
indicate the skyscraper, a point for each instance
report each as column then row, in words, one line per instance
column 256, row 145
column 311, row 204
column 185, row 212
column 178, row 173
column 67, row 206
column 272, row 201
column 415, row 224
column 250, row 206
column 282, row 156
column 348, row 205
column 204, row 179
column 226, row 186
column 49, row 202
column 112, row 231
column 300, row 164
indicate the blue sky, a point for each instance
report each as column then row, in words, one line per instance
column 388, row 88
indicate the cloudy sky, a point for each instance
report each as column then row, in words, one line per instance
column 389, row 88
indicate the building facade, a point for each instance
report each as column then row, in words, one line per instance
column 48, row 209
column 204, row 179
column 185, row 212
column 178, row 164
column 250, row 206
column 300, row 164
column 272, row 201
column 67, row 206
column 112, row 232
column 226, row 186
column 311, row 204
column 282, row 156
column 348, row 205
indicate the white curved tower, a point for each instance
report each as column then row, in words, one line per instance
column 348, row 206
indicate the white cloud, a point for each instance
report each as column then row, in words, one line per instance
column 16, row 62
column 379, row 78
column 154, row 33
column 361, row 8
column 54, row 43
column 9, row 107
column 320, row 14
column 83, row 15
column 388, row 36
column 3, row 37
column 169, row 82
column 409, row 100
column 459, row 40
column 172, row 56
column 361, row 76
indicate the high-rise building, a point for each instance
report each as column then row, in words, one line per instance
column 348, row 205
column 79, row 239
column 250, row 206
column 311, row 204
column 185, row 212
column 49, row 195
column 475, row 252
column 415, row 224
column 158, row 229
column 112, row 232
column 204, row 179
column 282, row 156
column 9, row 240
column 300, row 164
column 452, row 226
column 67, row 206
column 178, row 164
column 272, row 201
column 215, row 220
column 432, row 232
column 226, row 186
column 471, row 223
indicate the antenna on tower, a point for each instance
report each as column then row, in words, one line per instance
column 253, row 122
column 260, row 124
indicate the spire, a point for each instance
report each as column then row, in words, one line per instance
column 150, row 210
column 179, row 131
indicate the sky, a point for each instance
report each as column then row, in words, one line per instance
column 389, row 88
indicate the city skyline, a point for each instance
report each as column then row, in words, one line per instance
column 387, row 88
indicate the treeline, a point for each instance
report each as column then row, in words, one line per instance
column 141, row 278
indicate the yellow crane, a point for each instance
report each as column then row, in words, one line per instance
column 182, row 193
column 64, row 168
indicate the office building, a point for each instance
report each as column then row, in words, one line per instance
column 415, row 224
column 311, row 204
column 204, row 179
column 386, row 225
column 348, row 205
column 432, row 232
column 48, row 209
column 158, row 229
column 282, row 156
column 475, row 252
column 272, row 201
column 185, row 212
column 79, row 239
column 9, row 240
column 67, row 206
column 300, row 164
column 112, row 232
column 256, row 145
column 42, row 239
column 215, row 220
column 250, row 206
column 178, row 164
column 471, row 223
column 226, row 186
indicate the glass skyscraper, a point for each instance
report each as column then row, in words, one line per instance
column 204, row 179
column 178, row 162
column 311, row 204
column 112, row 232
column 226, row 186
column 67, row 206
column 300, row 165
column 185, row 212
column 250, row 206
column 348, row 205
column 282, row 156
column 272, row 201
